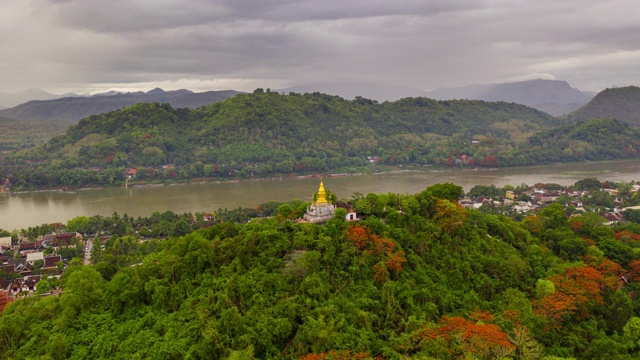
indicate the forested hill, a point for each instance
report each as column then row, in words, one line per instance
column 71, row 109
column 265, row 133
column 420, row 277
column 621, row 103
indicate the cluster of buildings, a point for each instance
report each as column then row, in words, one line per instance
column 23, row 265
column 18, row 278
column 536, row 199
column 53, row 241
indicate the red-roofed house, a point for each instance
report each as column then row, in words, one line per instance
column 51, row 261
column 26, row 248
column 66, row 239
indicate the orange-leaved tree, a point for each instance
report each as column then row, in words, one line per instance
column 383, row 250
column 611, row 272
column 463, row 337
column 448, row 215
column 634, row 267
column 626, row 236
column 576, row 290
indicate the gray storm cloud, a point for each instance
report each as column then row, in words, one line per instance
column 205, row 45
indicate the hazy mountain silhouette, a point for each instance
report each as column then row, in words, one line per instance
column 76, row 108
column 8, row 100
column 551, row 96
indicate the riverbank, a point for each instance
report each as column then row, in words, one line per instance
column 136, row 184
column 369, row 170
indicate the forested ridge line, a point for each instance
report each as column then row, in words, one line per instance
column 266, row 134
column 420, row 276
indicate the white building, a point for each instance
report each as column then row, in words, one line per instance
column 33, row 257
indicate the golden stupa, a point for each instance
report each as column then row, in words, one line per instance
column 321, row 198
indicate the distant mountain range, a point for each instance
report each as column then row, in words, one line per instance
column 554, row 97
column 621, row 103
column 8, row 100
column 551, row 96
column 75, row 108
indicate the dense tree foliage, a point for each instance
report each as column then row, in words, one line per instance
column 594, row 139
column 419, row 276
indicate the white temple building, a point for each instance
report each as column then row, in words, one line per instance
column 321, row 210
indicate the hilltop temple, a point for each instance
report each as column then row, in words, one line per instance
column 321, row 209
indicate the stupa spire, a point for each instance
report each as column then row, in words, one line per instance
column 322, row 194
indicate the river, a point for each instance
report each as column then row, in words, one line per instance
column 22, row 210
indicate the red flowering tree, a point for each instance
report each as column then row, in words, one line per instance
column 576, row 291
column 626, row 236
column 382, row 250
column 634, row 266
column 463, row 337
column 449, row 216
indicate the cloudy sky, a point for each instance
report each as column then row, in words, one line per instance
column 98, row 45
